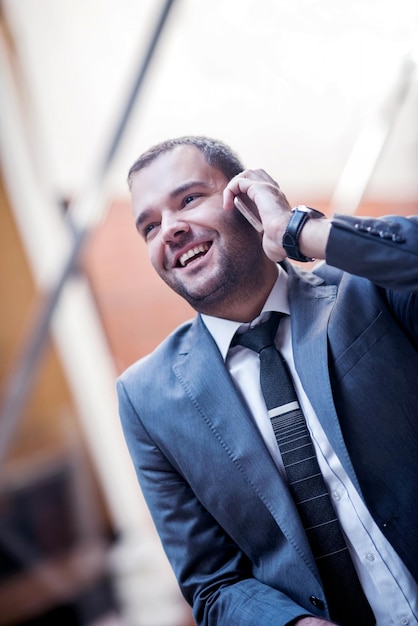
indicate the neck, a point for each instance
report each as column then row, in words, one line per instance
column 244, row 306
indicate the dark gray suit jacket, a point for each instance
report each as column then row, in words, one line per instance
column 224, row 515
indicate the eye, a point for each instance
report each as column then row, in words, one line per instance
column 188, row 199
column 148, row 230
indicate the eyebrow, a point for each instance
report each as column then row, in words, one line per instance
column 175, row 193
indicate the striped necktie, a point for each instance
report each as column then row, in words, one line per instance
column 345, row 598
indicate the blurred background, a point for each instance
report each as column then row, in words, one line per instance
column 320, row 93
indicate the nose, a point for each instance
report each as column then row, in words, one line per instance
column 172, row 226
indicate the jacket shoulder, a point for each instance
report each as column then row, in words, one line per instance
column 320, row 273
column 159, row 359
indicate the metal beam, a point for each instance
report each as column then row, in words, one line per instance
column 20, row 381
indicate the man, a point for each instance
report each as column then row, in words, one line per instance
column 197, row 425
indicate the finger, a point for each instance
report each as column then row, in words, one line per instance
column 262, row 175
column 238, row 184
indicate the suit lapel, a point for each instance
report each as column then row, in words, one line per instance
column 311, row 302
column 202, row 374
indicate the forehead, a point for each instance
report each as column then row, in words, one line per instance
column 172, row 170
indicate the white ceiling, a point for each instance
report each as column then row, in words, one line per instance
column 293, row 86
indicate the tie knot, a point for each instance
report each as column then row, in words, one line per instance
column 260, row 336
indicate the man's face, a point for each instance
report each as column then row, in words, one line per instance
column 209, row 256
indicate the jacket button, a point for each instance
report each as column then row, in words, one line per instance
column 317, row 602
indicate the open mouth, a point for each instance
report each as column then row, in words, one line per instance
column 193, row 254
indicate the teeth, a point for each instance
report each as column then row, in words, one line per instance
column 202, row 248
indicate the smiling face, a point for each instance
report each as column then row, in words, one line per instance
column 211, row 257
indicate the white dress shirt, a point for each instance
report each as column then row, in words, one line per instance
column 388, row 585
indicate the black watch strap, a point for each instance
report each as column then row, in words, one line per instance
column 298, row 218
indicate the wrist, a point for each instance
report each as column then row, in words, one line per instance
column 292, row 239
column 314, row 237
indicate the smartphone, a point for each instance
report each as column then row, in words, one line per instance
column 249, row 210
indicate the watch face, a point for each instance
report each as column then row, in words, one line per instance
column 313, row 213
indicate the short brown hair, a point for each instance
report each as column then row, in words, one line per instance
column 216, row 153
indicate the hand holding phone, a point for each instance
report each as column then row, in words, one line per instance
column 250, row 214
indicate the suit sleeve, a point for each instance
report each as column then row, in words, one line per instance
column 213, row 574
column 385, row 251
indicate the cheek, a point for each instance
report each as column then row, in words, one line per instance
column 155, row 256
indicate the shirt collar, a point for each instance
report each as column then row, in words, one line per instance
column 223, row 330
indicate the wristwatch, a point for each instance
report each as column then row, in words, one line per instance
column 299, row 216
